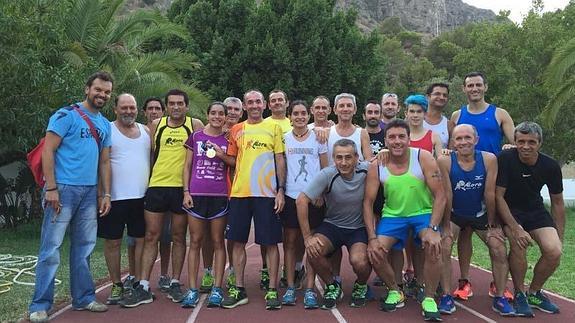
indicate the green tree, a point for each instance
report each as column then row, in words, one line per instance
column 95, row 31
column 560, row 80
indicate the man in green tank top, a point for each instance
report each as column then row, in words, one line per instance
column 414, row 200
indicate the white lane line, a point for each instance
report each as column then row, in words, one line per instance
column 336, row 313
column 475, row 313
column 99, row 289
column 198, row 308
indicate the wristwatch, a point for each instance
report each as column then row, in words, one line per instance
column 435, row 228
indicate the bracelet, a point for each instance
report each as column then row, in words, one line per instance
column 281, row 187
column 371, row 238
column 52, row 189
column 108, row 195
column 186, row 190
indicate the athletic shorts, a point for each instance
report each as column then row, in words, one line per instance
column 399, row 227
column 289, row 215
column 533, row 219
column 475, row 223
column 208, row 207
column 340, row 236
column 164, row 199
column 124, row 213
column 267, row 223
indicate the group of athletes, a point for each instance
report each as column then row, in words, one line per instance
column 397, row 193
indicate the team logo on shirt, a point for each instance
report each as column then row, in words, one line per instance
column 464, row 186
column 174, row 141
column 256, row 144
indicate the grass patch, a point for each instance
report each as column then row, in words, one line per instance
column 561, row 281
column 25, row 240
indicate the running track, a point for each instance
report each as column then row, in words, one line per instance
column 478, row 309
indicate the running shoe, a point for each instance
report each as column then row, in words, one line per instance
column 231, row 279
column 429, row 310
column 331, row 295
column 191, row 299
column 164, row 283
column 463, row 291
column 493, row 291
column 447, row 304
column 289, row 297
column 175, row 292
column 501, row 305
column 115, row 294
column 299, row 278
column 541, row 302
column 411, row 288
column 207, row 281
column 236, row 296
column 272, row 300
column 38, row 317
column 521, row 305
column 264, row 279
column 93, row 306
column 359, row 295
column 138, row 297
column 128, row 283
column 216, row 297
column 310, row 299
column 395, row 299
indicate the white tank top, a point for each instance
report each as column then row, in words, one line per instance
column 130, row 161
column 334, row 136
column 302, row 159
column 441, row 129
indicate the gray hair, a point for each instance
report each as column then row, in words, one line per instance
column 529, row 127
column 346, row 143
column 344, row 95
column 232, row 99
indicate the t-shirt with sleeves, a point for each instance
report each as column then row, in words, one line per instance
column 255, row 146
column 76, row 159
column 343, row 198
column 523, row 183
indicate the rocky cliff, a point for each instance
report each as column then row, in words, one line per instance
column 427, row 16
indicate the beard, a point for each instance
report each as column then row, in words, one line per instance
column 127, row 120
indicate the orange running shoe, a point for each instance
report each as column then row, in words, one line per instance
column 464, row 291
column 493, row 291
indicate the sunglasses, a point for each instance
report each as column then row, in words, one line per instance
column 388, row 95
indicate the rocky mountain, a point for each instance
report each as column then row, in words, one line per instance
column 426, row 16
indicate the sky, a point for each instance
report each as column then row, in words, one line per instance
column 518, row 8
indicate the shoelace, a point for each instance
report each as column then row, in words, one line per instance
column 359, row 291
column 271, row 295
column 234, row 292
column 331, row 292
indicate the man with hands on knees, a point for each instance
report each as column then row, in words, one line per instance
column 522, row 172
column 414, row 199
column 342, row 185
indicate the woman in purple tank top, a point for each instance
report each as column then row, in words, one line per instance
column 206, row 200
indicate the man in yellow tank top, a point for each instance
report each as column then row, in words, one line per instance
column 165, row 194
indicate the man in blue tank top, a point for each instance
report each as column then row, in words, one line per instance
column 491, row 123
column 470, row 177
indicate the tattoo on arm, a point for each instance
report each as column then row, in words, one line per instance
column 436, row 174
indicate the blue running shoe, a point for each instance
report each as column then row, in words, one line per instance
column 191, row 299
column 289, row 297
column 310, row 299
column 501, row 305
column 216, row 297
column 521, row 305
column 447, row 305
column 541, row 302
